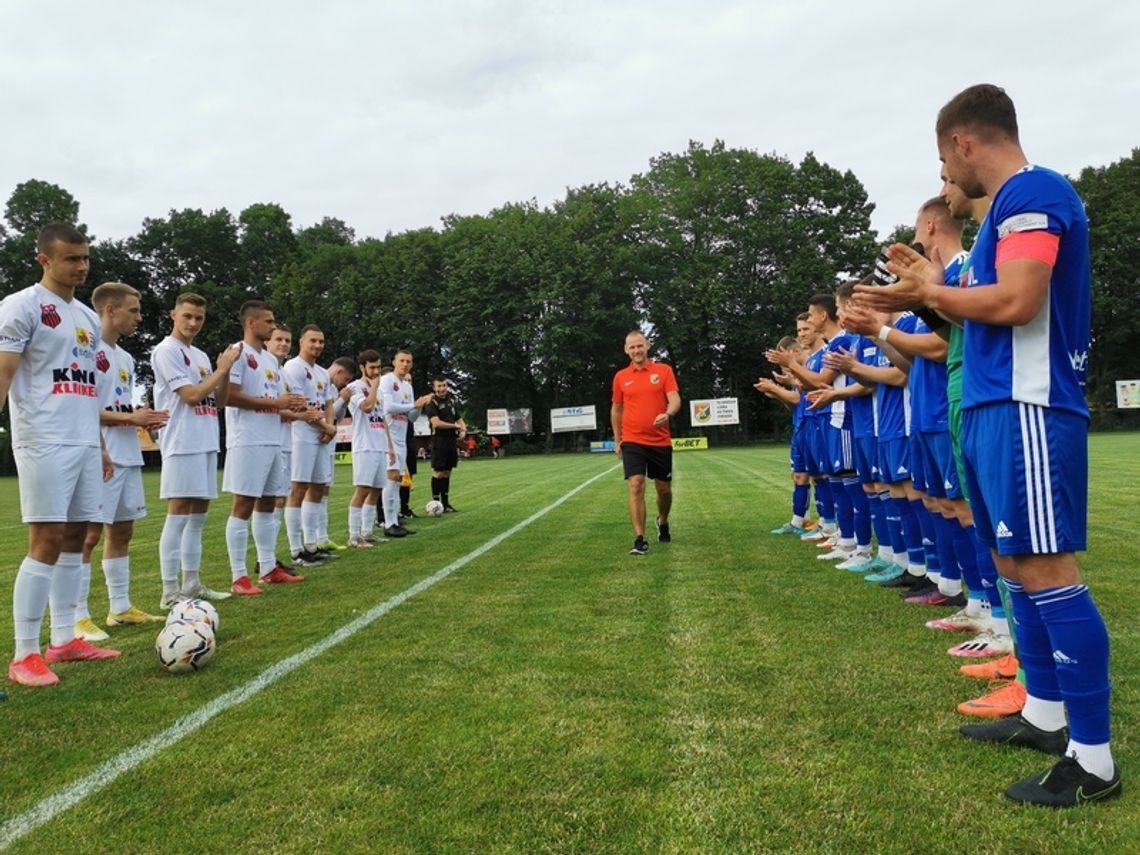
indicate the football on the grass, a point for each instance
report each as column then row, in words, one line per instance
column 184, row 646
column 434, row 508
column 195, row 610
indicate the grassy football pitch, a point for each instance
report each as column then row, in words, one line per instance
column 550, row 693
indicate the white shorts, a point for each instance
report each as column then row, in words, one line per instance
column 189, row 476
column 284, row 465
column 59, row 483
column 123, row 496
column 368, row 468
column 332, row 462
column 401, row 463
column 256, row 471
column 311, row 464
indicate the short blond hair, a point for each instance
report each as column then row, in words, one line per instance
column 112, row 294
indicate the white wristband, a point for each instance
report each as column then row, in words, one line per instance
column 884, row 331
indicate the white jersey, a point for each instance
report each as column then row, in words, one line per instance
column 193, row 428
column 53, row 398
column 286, row 426
column 312, row 383
column 115, row 383
column 399, row 406
column 257, row 374
column 368, row 432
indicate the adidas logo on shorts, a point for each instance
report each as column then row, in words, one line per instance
column 1061, row 658
column 1003, row 530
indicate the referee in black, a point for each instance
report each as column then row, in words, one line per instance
column 447, row 430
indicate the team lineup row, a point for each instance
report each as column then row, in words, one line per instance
column 71, row 387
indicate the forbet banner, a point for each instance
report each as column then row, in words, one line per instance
column 715, row 411
column 691, row 443
column 569, row 419
column 1128, row 394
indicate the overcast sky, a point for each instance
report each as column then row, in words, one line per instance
column 391, row 115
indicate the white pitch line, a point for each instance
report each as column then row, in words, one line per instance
column 105, row 774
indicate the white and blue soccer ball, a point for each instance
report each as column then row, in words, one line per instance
column 195, row 610
column 434, row 508
column 184, row 646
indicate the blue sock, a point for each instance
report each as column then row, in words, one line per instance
column 967, row 554
column 929, row 536
column 912, row 534
column 894, row 525
column 947, row 555
column 1080, row 655
column 844, row 511
column 862, row 508
column 800, row 494
column 823, row 501
column 988, row 571
column 879, row 519
column 1034, row 645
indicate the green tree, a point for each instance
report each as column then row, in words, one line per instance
column 1112, row 200
column 32, row 205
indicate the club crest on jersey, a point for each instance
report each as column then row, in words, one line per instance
column 251, row 362
column 269, row 375
column 49, row 315
column 308, row 374
column 84, row 337
column 654, row 379
column 102, row 362
column 186, row 358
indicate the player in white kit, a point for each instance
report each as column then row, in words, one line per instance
column 47, row 374
column 400, row 407
column 341, row 372
column 281, row 345
column 372, row 451
column 123, row 498
column 310, row 437
column 253, row 447
column 188, row 387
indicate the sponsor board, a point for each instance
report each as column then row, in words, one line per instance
column 567, row 419
column 502, row 422
column 714, row 411
column 1128, row 394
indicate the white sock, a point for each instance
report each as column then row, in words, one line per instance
column 64, row 594
column 191, row 553
column 950, row 587
column 977, row 607
column 934, row 576
column 999, row 625
column 264, row 541
column 30, row 597
column 293, row 529
column 916, row 570
column 237, row 542
column 354, row 518
column 798, row 521
column 323, row 520
column 117, row 572
column 846, row 543
column 887, row 554
column 367, row 518
column 309, row 513
column 390, row 499
column 1096, row 759
column 82, row 610
column 170, row 547
column 1047, row 715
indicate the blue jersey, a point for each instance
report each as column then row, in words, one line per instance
column 1045, row 361
column 929, row 377
column 863, row 406
column 915, row 385
column 798, row 411
column 815, row 363
column 892, row 403
column 840, row 412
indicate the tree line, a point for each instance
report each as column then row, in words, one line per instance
column 713, row 251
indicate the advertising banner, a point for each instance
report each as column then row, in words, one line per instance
column 569, row 419
column 714, row 411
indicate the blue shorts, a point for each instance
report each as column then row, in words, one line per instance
column 893, row 464
column 800, row 450
column 818, row 458
column 866, row 463
column 941, row 471
column 841, row 451
column 916, row 463
column 1027, row 468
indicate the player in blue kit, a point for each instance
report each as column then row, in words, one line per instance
column 1026, row 314
column 798, row 451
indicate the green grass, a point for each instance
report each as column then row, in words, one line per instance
column 727, row 693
